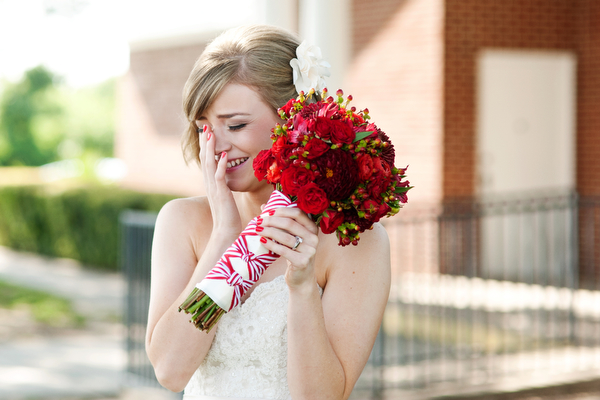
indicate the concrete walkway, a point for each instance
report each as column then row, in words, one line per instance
column 76, row 364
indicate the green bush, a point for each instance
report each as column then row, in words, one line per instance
column 81, row 224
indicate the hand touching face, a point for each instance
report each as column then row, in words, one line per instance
column 241, row 124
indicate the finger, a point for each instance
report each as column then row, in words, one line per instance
column 221, row 169
column 300, row 257
column 294, row 224
column 278, row 235
column 209, row 155
column 297, row 215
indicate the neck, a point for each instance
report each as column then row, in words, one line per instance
column 249, row 202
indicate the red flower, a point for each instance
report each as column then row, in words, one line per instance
column 261, row 164
column 342, row 132
column 316, row 148
column 288, row 106
column 274, row 172
column 378, row 185
column 323, row 127
column 370, row 207
column 312, row 199
column 294, row 178
column 338, row 174
column 382, row 167
column 331, row 220
column 282, row 150
column 384, row 209
column 365, row 166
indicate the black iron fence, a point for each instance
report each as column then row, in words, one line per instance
column 484, row 296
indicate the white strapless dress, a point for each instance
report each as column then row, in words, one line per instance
column 248, row 356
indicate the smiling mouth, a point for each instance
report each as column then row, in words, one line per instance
column 236, row 162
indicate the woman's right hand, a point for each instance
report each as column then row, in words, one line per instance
column 226, row 217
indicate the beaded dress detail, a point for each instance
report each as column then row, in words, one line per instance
column 248, row 356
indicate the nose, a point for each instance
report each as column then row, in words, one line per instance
column 222, row 141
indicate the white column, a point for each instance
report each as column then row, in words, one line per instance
column 327, row 23
column 282, row 13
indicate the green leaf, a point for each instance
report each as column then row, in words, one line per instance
column 402, row 189
column 361, row 135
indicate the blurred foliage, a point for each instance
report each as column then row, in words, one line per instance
column 79, row 223
column 42, row 121
column 44, row 307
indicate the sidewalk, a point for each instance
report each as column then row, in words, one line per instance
column 87, row 363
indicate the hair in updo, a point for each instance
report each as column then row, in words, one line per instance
column 257, row 56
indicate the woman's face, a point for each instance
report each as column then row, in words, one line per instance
column 241, row 124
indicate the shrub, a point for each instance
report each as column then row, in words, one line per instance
column 81, row 223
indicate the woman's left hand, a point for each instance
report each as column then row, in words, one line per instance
column 281, row 231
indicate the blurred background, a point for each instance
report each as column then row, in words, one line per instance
column 494, row 105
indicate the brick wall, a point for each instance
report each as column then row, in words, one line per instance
column 588, row 139
column 151, row 121
column 474, row 24
column 396, row 72
column 588, row 98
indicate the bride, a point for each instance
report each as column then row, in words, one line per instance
column 307, row 327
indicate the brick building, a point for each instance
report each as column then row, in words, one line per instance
column 482, row 98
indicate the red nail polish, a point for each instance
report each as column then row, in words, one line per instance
column 263, row 240
column 259, row 221
column 204, row 128
column 259, row 229
column 208, row 135
column 223, row 154
column 271, row 212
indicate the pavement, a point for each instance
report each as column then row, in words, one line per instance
column 84, row 363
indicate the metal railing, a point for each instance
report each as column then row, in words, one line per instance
column 490, row 295
column 483, row 294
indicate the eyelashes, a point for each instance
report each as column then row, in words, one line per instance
column 231, row 128
column 236, row 127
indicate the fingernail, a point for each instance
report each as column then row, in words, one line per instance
column 204, row 128
column 263, row 239
column 259, row 221
column 223, row 154
column 208, row 135
column 259, row 229
column 271, row 212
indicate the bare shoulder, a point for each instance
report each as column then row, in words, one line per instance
column 369, row 260
column 185, row 220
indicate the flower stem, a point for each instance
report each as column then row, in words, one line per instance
column 205, row 313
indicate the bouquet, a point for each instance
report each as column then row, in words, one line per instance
column 328, row 160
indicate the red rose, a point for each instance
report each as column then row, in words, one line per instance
column 274, row 172
column 382, row 167
column 342, row 132
column 378, row 185
column 331, row 220
column 365, row 166
column 312, row 199
column 261, row 164
column 294, row 178
column 316, row 148
column 323, row 127
column 288, row 106
column 282, row 150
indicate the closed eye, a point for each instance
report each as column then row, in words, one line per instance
column 236, row 127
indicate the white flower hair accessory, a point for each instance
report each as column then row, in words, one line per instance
column 309, row 68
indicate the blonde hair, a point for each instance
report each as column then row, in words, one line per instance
column 257, row 56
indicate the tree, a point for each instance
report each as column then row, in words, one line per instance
column 26, row 107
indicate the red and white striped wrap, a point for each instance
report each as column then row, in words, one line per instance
column 243, row 262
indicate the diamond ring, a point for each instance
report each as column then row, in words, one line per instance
column 298, row 241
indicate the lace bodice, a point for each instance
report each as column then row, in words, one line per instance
column 248, row 356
